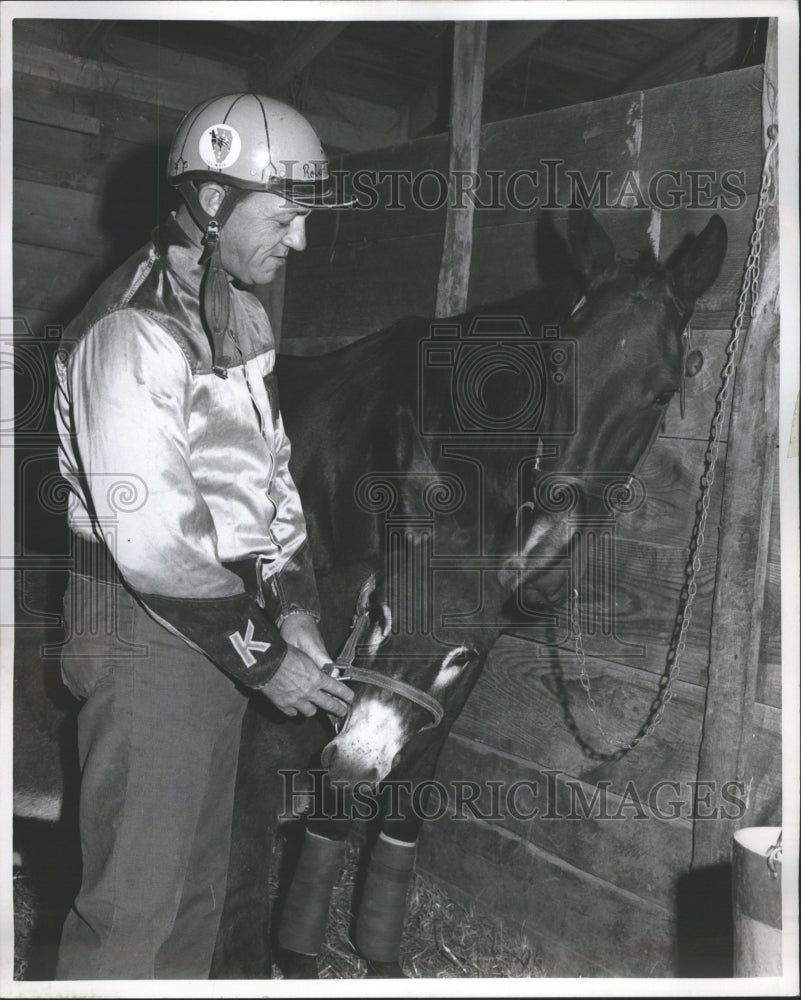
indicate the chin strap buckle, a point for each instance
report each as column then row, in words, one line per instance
column 211, row 239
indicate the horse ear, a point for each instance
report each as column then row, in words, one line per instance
column 697, row 262
column 593, row 251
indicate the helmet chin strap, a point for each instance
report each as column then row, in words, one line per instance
column 214, row 286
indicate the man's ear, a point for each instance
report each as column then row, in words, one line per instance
column 210, row 197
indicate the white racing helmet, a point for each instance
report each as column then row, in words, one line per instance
column 253, row 143
column 244, row 142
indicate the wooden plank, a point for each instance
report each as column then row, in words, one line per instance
column 699, row 56
column 591, row 834
column 516, row 708
column 586, row 139
column 78, row 221
column 63, row 67
column 137, row 172
column 671, row 477
column 34, row 160
column 523, row 154
column 55, row 281
column 295, row 55
column 31, row 109
column 701, row 389
column 387, row 122
column 583, row 925
column 763, row 774
column 709, row 125
column 599, row 64
column 646, row 601
column 352, row 293
column 505, row 42
column 163, row 62
column 31, row 322
column 744, row 537
column 130, row 121
column 769, row 677
column 467, row 91
column 342, row 134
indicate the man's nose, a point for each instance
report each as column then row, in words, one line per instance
column 295, row 238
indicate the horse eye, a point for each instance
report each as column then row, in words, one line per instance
column 664, row 397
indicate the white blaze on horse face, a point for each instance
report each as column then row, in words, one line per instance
column 547, row 533
column 379, row 632
column 375, row 734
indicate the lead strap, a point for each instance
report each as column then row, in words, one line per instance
column 215, row 299
column 215, row 302
column 379, row 925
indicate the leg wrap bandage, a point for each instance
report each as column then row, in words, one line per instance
column 305, row 911
column 379, row 926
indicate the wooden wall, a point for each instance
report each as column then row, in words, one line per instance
column 91, row 136
column 599, row 896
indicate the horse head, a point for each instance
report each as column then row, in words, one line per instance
column 585, row 401
column 627, row 320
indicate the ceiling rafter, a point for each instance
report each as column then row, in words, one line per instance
column 712, row 47
column 505, row 43
column 274, row 71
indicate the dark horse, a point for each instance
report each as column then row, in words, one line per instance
column 424, row 455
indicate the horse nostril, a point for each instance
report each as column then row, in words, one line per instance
column 328, row 754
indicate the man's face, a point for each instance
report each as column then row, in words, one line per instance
column 258, row 236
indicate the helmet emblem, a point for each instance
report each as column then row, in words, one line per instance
column 220, row 146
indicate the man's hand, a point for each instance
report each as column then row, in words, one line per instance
column 299, row 684
column 303, row 632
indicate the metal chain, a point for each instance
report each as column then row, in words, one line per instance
column 749, row 288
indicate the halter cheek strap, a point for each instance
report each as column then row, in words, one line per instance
column 344, row 670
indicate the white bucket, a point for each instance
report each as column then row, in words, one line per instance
column 757, row 903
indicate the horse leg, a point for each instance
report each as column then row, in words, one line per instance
column 382, row 908
column 271, row 747
column 305, row 911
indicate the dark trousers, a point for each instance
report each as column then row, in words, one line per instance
column 158, row 738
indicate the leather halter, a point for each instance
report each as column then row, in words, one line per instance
column 344, row 664
column 392, row 684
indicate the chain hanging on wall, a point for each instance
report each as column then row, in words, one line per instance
column 749, row 290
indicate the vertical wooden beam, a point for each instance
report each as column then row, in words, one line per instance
column 744, row 535
column 469, row 53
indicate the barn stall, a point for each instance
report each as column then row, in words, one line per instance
column 613, row 892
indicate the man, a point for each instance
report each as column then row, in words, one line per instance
column 193, row 583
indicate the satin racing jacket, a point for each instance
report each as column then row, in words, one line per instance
column 181, row 473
